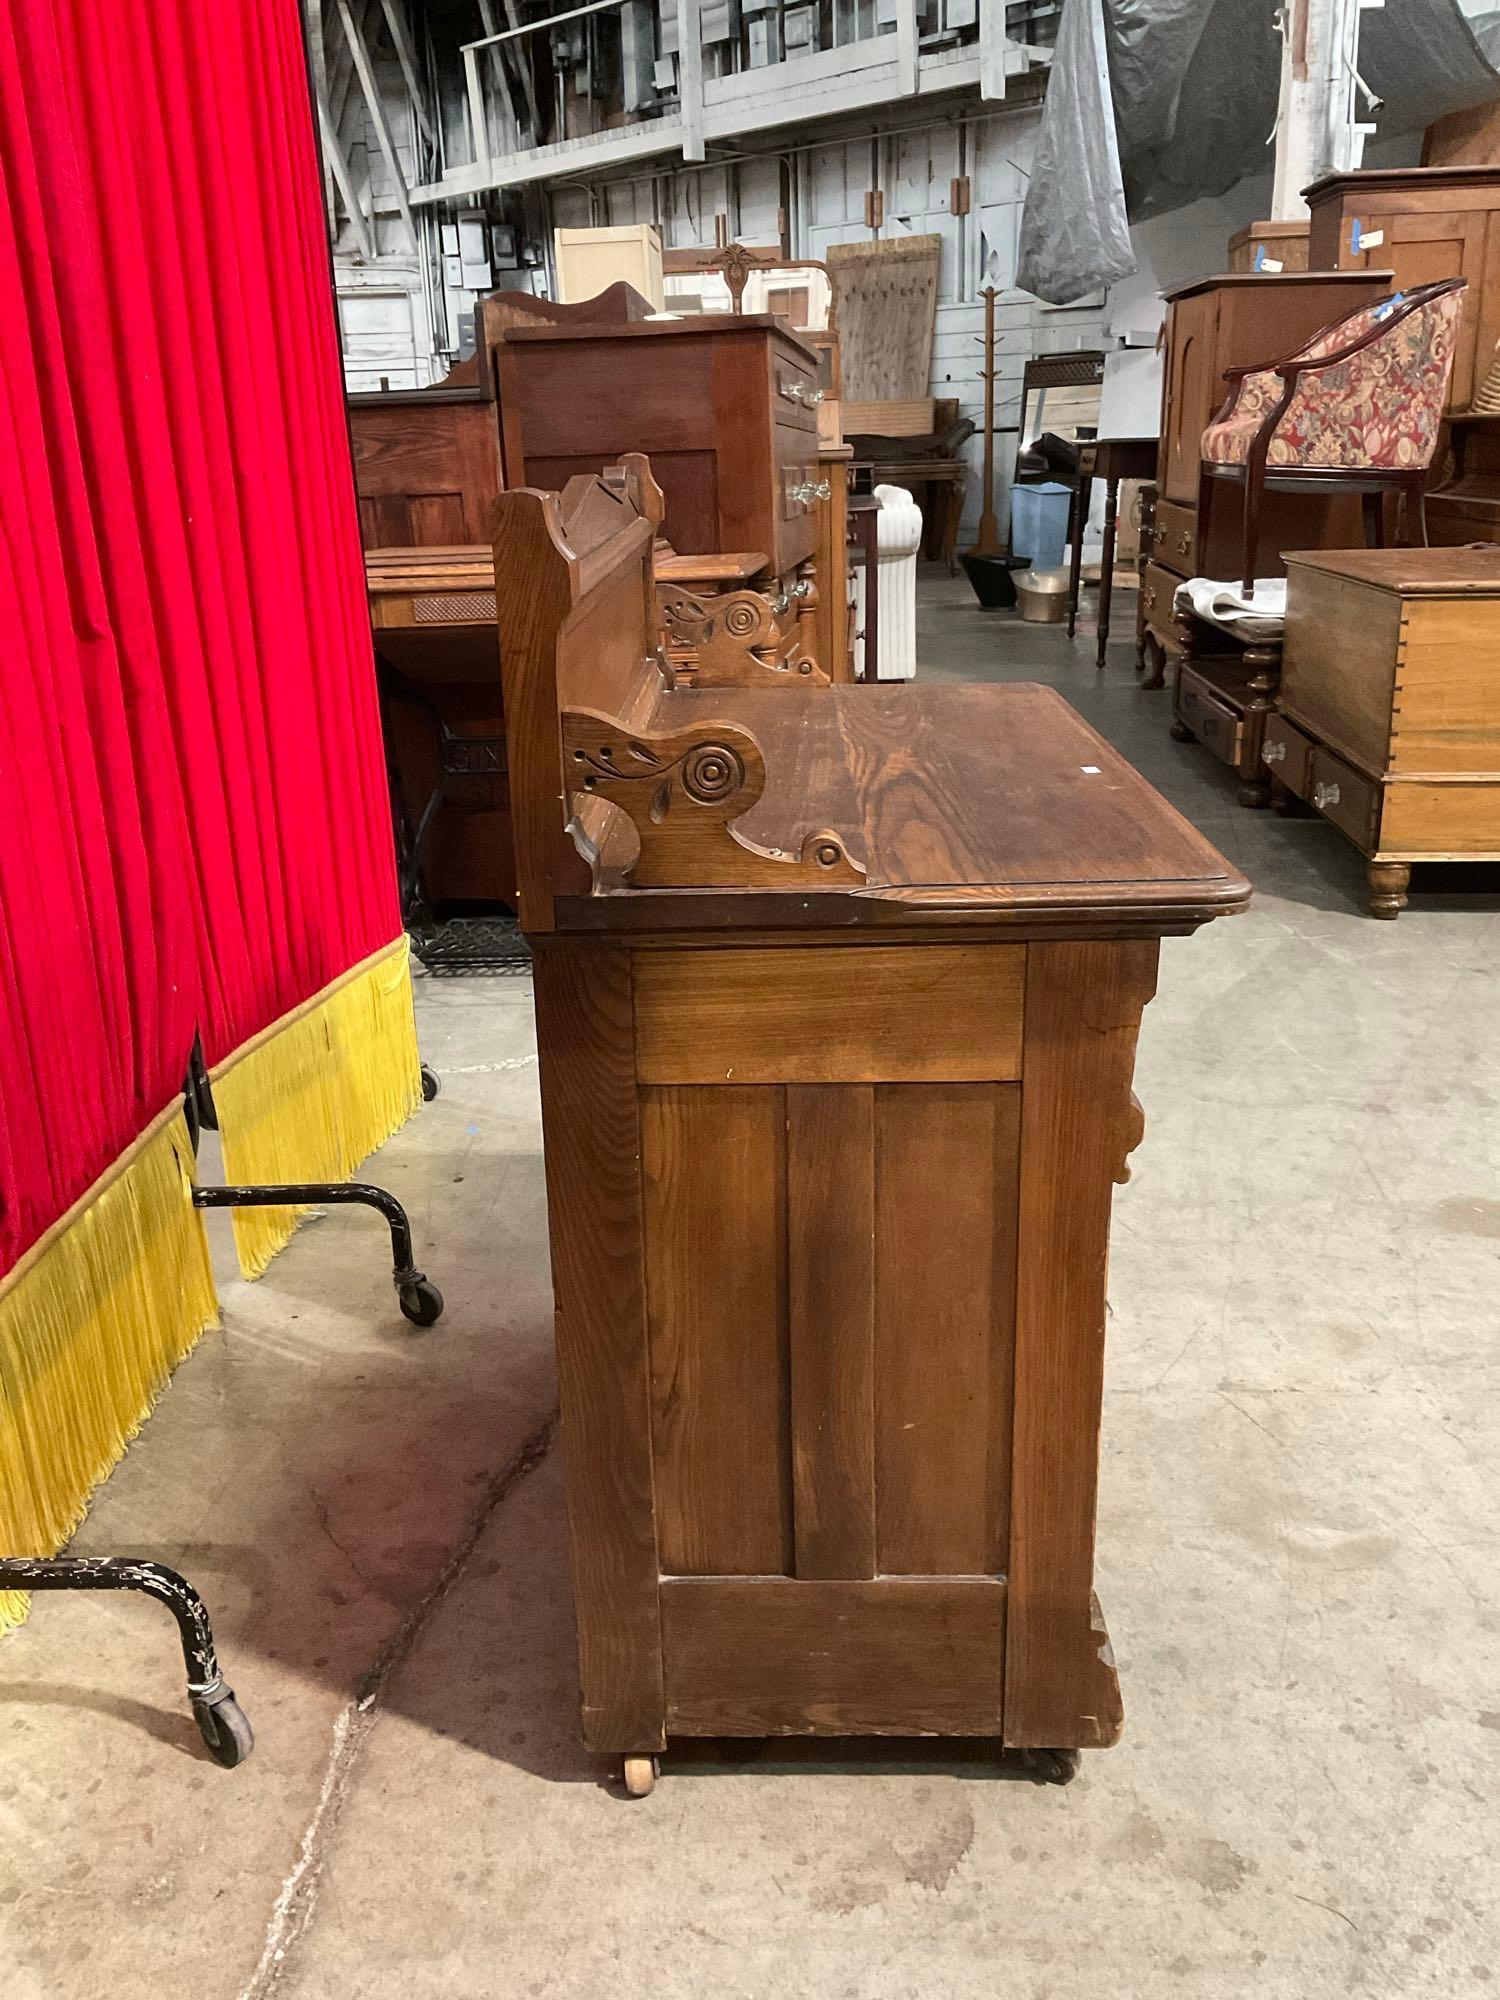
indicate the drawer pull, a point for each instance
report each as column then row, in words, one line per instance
column 1325, row 796
column 1273, row 753
column 800, row 392
column 1184, row 543
column 810, row 490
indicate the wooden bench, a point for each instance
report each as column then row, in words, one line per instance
column 837, row 998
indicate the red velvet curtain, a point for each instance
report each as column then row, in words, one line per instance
column 193, row 823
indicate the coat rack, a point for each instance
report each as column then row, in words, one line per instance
column 986, row 565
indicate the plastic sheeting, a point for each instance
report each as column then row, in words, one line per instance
column 1074, row 232
column 1192, row 86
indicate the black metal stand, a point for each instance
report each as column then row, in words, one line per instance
column 221, row 1721
column 421, row 1301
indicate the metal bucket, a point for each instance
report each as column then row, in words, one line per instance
column 1043, row 595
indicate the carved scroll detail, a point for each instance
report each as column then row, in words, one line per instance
column 734, row 640
column 1134, row 1132
column 681, row 790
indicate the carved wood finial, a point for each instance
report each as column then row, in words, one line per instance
column 737, row 639
column 681, row 790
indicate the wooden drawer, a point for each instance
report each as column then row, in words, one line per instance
column 795, row 394
column 1345, row 796
column 866, row 1014
column 1174, row 538
column 1216, row 726
column 1287, row 754
column 1158, row 587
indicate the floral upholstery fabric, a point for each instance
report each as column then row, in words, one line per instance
column 1377, row 411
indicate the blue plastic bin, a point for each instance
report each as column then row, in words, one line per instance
column 1039, row 524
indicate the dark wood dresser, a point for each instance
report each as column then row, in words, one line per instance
column 726, row 407
column 830, row 1300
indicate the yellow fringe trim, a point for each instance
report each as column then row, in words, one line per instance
column 317, row 1092
column 93, row 1319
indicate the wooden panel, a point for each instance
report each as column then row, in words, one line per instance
column 830, row 1194
column 913, row 418
column 1193, row 392
column 1083, row 1008
column 426, row 467
column 713, row 1168
column 593, row 1198
column 1447, row 708
column 896, row 1657
column 887, row 306
column 1338, row 665
column 888, row 1013
column 946, row 1180
column 1421, row 821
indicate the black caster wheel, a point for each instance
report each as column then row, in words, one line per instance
column 1180, row 733
column 422, row 1302
column 225, row 1728
column 432, row 1083
column 1052, row 1767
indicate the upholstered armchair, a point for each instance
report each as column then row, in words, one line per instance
column 1355, row 410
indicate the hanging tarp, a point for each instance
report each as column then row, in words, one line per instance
column 1193, row 87
column 1074, row 235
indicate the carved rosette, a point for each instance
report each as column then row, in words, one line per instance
column 681, row 791
column 734, row 640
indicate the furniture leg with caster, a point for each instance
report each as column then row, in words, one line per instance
column 221, row 1721
column 641, row 1774
column 420, row 1299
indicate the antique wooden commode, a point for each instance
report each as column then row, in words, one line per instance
column 837, row 1000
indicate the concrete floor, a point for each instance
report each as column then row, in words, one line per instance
column 1298, row 1556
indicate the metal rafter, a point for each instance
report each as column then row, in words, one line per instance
column 395, row 20
column 376, row 109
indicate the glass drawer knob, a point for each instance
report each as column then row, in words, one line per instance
column 1273, row 753
column 1325, row 795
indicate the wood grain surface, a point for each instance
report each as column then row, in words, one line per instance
column 830, row 1221
column 901, row 1656
column 1083, row 1009
column 713, row 1166
column 585, row 1046
column 826, row 1016
column 947, row 1172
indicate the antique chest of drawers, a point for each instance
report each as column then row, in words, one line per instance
column 726, row 406
column 1389, row 710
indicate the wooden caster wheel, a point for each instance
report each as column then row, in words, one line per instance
column 640, row 1775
